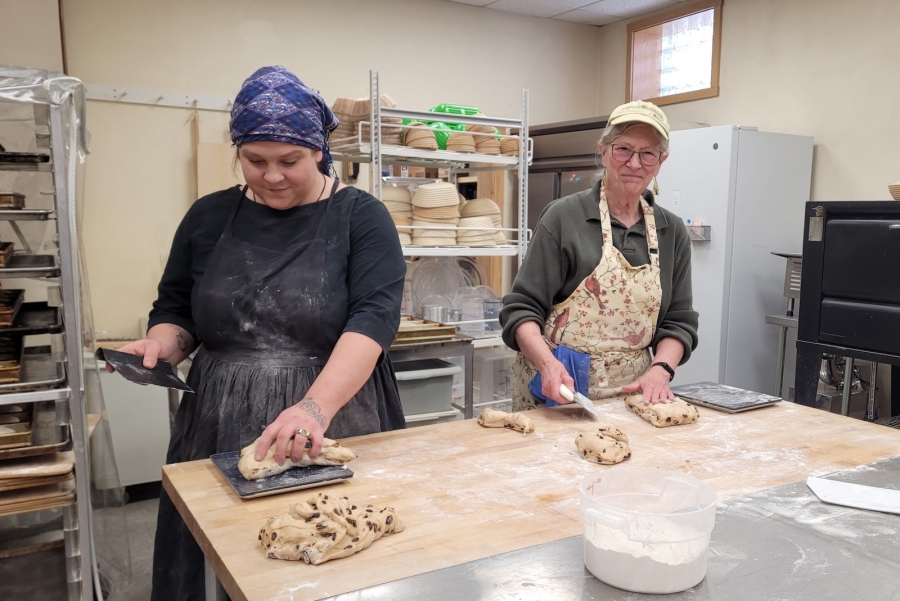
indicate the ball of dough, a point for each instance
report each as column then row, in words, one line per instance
column 608, row 445
column 661, row 415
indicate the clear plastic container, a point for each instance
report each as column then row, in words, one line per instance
column 647, row 530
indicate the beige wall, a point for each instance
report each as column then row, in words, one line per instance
column 823, row 68
column 140, row 180
column 29, row 34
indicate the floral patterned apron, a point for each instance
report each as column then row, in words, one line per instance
column 611, row 316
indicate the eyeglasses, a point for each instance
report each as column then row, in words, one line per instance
column 648, row 158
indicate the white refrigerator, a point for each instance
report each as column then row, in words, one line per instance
column 750, row 188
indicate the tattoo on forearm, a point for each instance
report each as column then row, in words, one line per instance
column 311, row 408
column 185, row 340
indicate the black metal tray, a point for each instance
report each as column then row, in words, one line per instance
column 723, row 397
column 30, row 266
column 34, row 318
column 296, row 478
column 24, row 157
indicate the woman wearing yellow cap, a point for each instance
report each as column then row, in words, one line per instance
column 607, row 278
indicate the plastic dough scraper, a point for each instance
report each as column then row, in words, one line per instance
column 579, row 398
column 855, row 495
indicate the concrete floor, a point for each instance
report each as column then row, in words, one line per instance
column 42, row 576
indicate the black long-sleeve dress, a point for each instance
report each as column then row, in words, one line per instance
column 267, row 293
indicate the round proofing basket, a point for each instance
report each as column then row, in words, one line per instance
column 436, row 195
column 479, row 207
column 510, row 146
column 396, row 194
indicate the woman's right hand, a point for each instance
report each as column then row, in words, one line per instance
column 553, row 373
column 148, row 348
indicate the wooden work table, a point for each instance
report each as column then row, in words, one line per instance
column 465, row 492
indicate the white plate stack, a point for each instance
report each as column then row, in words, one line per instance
column 510, row 146
column 435, row 206
column 486, row 141
column 484, row 207
column 398, row 201
column 894, row 189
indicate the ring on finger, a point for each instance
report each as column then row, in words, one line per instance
column 303, row 432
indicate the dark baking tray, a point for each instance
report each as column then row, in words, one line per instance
column 12, row 200
column 723, row 397
column 34, row 318
column 296, row 478
column 24, row 157
column 10, row 305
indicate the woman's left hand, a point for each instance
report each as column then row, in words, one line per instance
column 655, row 385
column 307, row 415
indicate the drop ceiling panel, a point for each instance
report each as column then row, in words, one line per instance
column 627, row 8
column 539, row 8
column 588, row 17
column 589, row 12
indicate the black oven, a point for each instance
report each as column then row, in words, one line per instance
column 850, row 287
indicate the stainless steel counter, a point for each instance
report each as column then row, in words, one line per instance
column 777, row 544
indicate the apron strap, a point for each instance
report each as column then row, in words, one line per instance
column 322, row 230
column 650, row 227
column 229, row 227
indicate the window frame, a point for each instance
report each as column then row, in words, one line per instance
column 672, row 15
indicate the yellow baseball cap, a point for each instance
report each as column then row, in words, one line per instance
column 639, row 111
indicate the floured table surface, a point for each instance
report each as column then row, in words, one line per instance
column 779, row 543
column 466, row 492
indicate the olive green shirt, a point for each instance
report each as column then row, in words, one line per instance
column 566, row 248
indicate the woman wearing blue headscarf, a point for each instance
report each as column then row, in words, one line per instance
column 291, row 289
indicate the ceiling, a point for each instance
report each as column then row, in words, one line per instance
column 589, row 12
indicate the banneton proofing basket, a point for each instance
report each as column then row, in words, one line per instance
column 647, row 530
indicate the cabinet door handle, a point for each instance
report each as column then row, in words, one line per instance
column 894, row 226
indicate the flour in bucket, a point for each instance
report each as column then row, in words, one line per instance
column 644, row 565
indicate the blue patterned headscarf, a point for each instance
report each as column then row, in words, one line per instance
column 275, row 106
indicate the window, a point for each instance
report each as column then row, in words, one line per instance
column 674, row 56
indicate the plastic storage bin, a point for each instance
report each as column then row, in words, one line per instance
column 647, row 530
column 425, row 385
column 492, row 376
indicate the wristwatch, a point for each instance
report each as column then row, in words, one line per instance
column 666, row 367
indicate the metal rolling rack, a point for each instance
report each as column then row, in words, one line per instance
column 372, row 151
column 68, row 389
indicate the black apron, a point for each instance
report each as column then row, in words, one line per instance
column 261, row 318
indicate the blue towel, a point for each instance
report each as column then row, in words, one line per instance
column 577, row 364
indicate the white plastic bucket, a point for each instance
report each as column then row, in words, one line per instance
column 647, row 530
